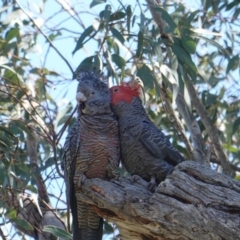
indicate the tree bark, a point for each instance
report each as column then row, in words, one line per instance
column 194, row 202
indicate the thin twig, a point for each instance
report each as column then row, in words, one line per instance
column 2, row 234
column 46, row 37
column 54, row 212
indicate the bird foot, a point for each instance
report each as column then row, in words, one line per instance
column 81, row 179
column 152, row 184
column 116, row 179
column 136, row 178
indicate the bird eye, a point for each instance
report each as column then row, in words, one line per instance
column 115, row 90
column 93, row 93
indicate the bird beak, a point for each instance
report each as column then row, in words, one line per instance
column 81, row 99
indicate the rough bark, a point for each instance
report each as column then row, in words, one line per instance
column 194, row 202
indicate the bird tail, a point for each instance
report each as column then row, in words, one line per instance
column 87, row 224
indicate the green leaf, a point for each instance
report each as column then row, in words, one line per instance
column 173, row 62
column 32, row 188
column 22, row 125
column 230, row 148
column 53, row 36
column 111, row 70
column 106, row 13
column 231, row 5
column 236, row 13
column 117, row 35
column 236, row 125
column 98, row 62
column 96, row 2
column 12, row 214
column 129, row 15
column 80, row 42
column 23, row 224
column 15, row 73
column 40, row 89
column 118, row 60
column 133, row 20
column 188, row 21
column 61, row 114
column 16, row 130
column 211, row 99
column 188, row 44
column 158, row 52
column 170, row 74
column 6, row 131
column 2, row 173
column 145, row 74
column 85, row 64
column 13, row 32
column 212, row 42
column 49, row 162
column 108, row 228
column 117, row 16
column 112, row 45
column 171, row 25
column 139, row 45
column 183, row 56
column 233, row 63
column 58, row 232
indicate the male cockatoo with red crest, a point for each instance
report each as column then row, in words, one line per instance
column 145, row 150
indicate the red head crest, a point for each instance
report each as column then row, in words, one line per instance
column 125, row 92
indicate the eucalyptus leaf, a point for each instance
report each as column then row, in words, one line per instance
column 117, row 34
column 118, row 60
column 145, row 74
column 81, row 39
column 184, row 57
column 13, row 32
column 139, row 44
column 170, row 24
column 96, row 2
column 57, row 232
column 117, row 16
column 129, row 15
column 170, row 74
column 23, row 224
column 233, row 63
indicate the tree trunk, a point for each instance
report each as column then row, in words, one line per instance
column 194, row 202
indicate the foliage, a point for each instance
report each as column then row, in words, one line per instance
column 123, row 40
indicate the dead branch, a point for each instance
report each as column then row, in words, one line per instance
column 194, row 202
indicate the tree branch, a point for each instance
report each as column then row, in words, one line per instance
column 211, row 129
column 194, row 202
column 193, row 128
column 157, row 16
column 176, row 122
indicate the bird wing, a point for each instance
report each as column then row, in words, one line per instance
column 158, row 145
column 71, row 147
